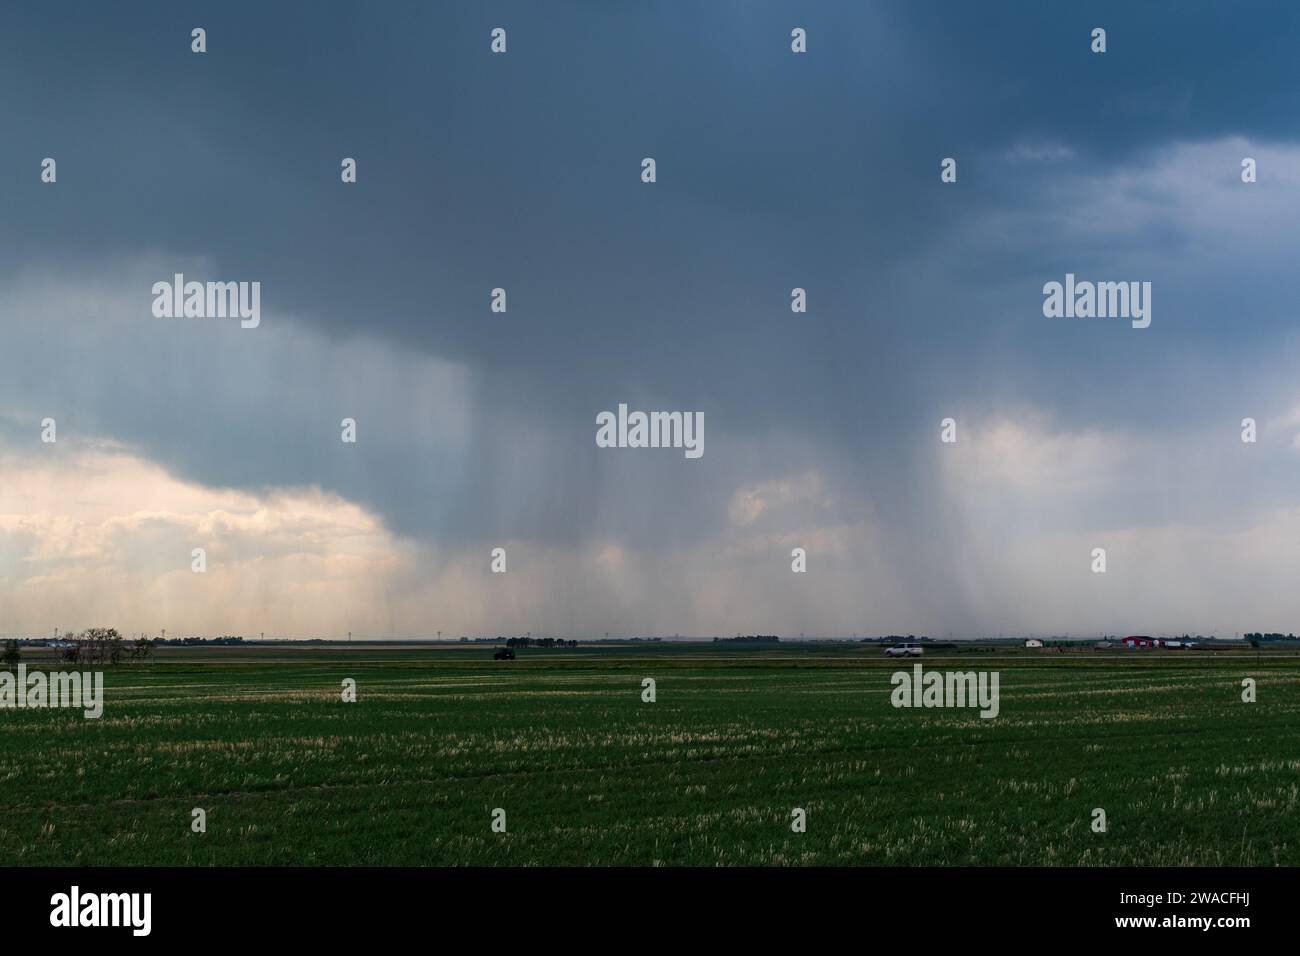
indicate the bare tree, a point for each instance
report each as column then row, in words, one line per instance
column 98, row 644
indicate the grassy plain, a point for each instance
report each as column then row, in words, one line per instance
column 587, row 773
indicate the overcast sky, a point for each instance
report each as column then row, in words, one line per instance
column 775, row 170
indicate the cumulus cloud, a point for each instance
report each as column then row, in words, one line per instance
column 89, row 534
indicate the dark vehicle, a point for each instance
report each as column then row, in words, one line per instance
column 505, row 654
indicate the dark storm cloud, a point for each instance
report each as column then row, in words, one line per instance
column 522, row 171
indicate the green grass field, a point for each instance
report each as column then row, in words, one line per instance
column 587, row 773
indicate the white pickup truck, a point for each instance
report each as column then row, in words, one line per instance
column 903, row 650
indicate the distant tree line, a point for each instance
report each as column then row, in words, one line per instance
column 97, row 646
column 537, row 642
column 93, row 646
column 190, row 641
column 749, row 639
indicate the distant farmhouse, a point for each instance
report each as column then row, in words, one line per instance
column 1134, row 641
column 1141, row 641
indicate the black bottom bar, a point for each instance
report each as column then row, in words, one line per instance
column 352, row 906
